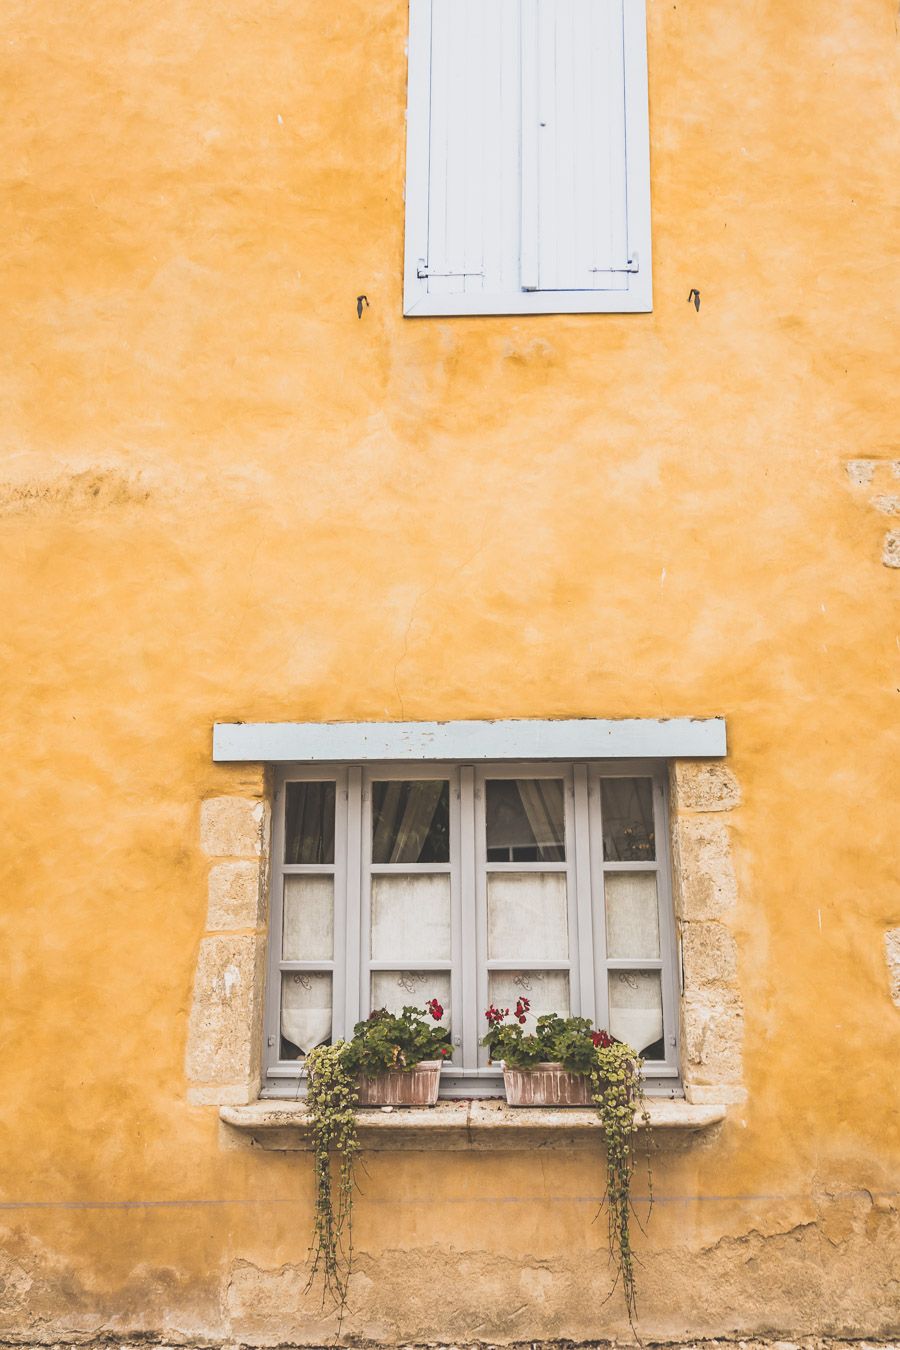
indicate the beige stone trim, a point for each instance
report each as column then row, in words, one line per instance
column 223, row 1060
column 706, row 898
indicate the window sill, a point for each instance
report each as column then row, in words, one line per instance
column 457, row 1126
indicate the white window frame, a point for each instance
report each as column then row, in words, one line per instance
column 637, row 298
column 588, row 964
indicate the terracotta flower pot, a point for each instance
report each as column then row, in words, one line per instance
column 546, row 1085
column 417, row 1086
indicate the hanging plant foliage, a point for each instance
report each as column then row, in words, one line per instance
column 331, row 1098
column 615, row 1074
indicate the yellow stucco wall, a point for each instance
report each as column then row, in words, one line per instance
column 226, row 497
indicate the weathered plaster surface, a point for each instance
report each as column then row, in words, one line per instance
column 225, row 497
column 804, row 1343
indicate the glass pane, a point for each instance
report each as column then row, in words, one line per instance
column 411, row 918
column 396, row 989
column 627, row 806
column 411, row 822
column 309, row 823
column 527, row 917
column 308, row 932
column 632, row 914
column 526, row 820
column 546, row 990
column 305, row 1011
column 635, row 1010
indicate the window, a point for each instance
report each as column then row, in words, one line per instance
column 528, row 175
column 471, row 884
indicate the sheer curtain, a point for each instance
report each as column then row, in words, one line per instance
column 309, row 823
column 402, row 826
column 545, row 809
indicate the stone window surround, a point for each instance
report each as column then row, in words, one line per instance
column 224, row 1050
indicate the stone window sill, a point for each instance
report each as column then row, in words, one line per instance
column 458, row 1126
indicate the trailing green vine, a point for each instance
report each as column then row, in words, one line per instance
column 616, row 1086
column 384, row 1041
column 331, row 1097
column 617, row 1092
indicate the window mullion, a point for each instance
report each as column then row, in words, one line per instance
column 598, row 901
column 668, row 946
column 276, row 919
column 467, row 966
column 353, row 887
column 480, row 895
column 584, row 904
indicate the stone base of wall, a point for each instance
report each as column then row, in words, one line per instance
column 804, row 1343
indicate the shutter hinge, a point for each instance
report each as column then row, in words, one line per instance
column 423, row 270
column 633, row 265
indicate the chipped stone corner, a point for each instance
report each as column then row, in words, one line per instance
column 705, row 891
column 892, row 956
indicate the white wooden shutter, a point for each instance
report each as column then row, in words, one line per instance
column 574, row 220
column 527, row 157
column 470, row 241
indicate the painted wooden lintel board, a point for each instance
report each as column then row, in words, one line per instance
column 470, row 741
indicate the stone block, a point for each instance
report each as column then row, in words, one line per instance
column 223, row 1031
column 713, row 1033
column 702, row 786
column 223, row 1094
column 232, row 827
column 860, row 471
column 719, row 1094
column 890, row 554
column 709, row 955
column 705, row 885
column 892, row 954
column 235, row 896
